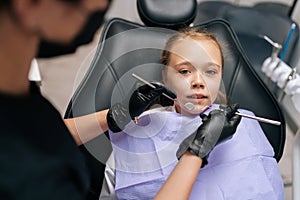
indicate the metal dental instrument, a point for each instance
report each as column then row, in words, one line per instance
column 151, row 85
column 261, row 119
column 188, row 106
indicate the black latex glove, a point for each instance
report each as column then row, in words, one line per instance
column 119, row 115
column 216, row 126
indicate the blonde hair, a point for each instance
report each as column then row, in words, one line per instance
column 194, row 33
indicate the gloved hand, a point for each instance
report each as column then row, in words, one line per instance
column 120, row 114
column 217, row 126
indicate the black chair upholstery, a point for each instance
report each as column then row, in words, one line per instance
column 208, row 10
column 274, row 7
column 166, row 13
column 250, row 24
column 126, row 47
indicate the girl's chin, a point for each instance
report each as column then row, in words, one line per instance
column 191, row 110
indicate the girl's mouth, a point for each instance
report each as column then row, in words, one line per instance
column 197, row 96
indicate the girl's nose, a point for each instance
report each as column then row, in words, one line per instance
column 197, row 81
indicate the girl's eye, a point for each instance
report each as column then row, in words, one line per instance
column 184, row 71
column 211, row 72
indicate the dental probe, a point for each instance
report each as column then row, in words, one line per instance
column 190, row 106
column 261, row 119
column 151, row 85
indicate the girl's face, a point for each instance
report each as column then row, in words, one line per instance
column 194, row 72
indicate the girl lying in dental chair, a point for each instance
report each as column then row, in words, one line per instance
column 146, row 151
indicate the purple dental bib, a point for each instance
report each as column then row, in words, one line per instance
column 241, row 167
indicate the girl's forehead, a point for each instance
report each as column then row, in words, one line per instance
column 195, row 51
column 196, row 44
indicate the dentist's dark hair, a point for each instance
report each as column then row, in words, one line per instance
column 4, row 4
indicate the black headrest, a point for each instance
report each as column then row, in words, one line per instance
column 172, row 14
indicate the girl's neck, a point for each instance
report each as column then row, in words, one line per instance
column 17, row 49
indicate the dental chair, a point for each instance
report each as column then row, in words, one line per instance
column 208, row 10
column 250, row 24
column 274, row 7
column 126, row 47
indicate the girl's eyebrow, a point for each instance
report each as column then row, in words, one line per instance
column 183, row 63
column 188, row 63
column 212, row 63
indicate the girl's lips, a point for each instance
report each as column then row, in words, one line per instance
column 197, row 96
column 199, row 100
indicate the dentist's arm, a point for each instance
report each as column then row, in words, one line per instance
column 180, row 182
column 87, row 127
column 216, row 127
